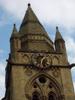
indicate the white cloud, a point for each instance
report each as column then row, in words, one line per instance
column 70, row 44
column 2, row 79
column 3, row 19
column 49, row 11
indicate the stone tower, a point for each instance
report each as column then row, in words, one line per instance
column 37, row 68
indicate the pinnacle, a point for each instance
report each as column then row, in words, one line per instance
column 14, row 28
column 58, row 35
column 29, row 4
column 14, row 31
column 57, row 29
column 14, row 25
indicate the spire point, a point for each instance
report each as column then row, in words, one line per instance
column 14, row 25
column 29, row 4
column 14, row 28
column 57, row 29
column 58, row 35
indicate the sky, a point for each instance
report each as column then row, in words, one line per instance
column 51, row 13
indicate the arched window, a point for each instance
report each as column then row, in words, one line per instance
column 52, row 96
column 35, row 96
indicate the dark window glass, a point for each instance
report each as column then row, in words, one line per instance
column 35, row 96
column 51, row 97
column 42, row 79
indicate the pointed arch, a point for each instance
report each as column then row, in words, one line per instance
column 35, row 95
column 54, row 84
column 52, row 96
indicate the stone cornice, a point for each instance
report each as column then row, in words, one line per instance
column 32, row 66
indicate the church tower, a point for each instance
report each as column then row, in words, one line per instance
column 37, row 68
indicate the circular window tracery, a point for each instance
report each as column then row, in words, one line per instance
column 42, row 79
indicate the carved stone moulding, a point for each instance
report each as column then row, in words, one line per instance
column 55, row 72
column 25, row 58
column 28, row 71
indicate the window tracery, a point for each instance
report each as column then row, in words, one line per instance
column 52, row 96
column 43, row 86
column 35, row 96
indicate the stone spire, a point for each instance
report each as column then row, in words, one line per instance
column 58, row 35
column 59, row 42
column 31, row 24
column 29, row 16
column 31, row 31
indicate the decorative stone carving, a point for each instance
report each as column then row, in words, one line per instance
column 56, row 72
column 28, row 71
column 55, row 61
column 25, row 58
